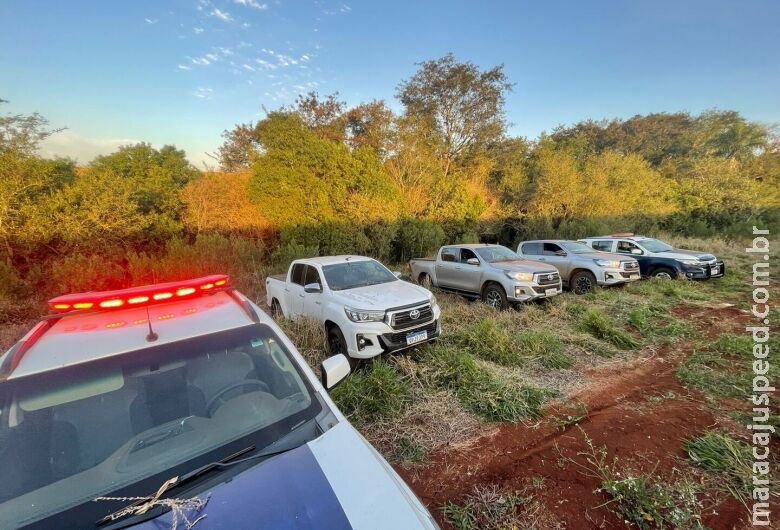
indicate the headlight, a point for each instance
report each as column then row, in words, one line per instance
column 607, row 263
column 690, row 262
column 362, row 315
column 520, row 276
column 433, row 301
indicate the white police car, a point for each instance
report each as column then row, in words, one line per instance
column 182, row 403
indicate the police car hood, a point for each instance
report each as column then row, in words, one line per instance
column 679, row 253
column 383, row 295
column 337, row 481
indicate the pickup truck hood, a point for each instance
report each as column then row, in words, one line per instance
column 523, row 265
column 383, row 296
column 679, row 253
column 334, row 482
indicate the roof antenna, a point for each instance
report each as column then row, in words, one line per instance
column 152, row 336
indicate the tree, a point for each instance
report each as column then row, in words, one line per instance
column 370, row 125
column 324, row 116
column 239, row 147
column 461, row 104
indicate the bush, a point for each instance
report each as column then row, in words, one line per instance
column 418, row 238
column 78, row 273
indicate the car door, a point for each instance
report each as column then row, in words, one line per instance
column 550, row 254
column 629, row 247
column 468, row 275
column 603, row 245
column 312, row 302
column 294, row 290
column 446, row 265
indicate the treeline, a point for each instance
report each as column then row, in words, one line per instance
column 320, row 177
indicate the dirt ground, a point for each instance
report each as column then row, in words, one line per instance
column 647, row 434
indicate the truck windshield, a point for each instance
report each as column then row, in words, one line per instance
column 653, row 245
column 575, row 247
column 121, row 426
column 354, row 274
column 496, row 254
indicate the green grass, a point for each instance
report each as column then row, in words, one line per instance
column 595, row 322
column 730, row 458
column 544, row 346
column 376, row 390
column 490, row 341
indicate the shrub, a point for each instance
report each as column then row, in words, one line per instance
column 78, row 272
column 417, row 238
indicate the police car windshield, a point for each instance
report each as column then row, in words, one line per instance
column 653, row 245
column 129, row 422
column 353, row 274
column 496, row 254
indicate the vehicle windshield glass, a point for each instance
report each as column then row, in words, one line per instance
column 496, row 254
column 575, row 247
column 653, row 245
column 130, row 422
column 353, row 274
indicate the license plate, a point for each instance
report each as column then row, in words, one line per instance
column 550, row 292
column 417, row 336
column 633, row 276
column 715, row 270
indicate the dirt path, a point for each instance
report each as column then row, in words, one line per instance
column 646, row 434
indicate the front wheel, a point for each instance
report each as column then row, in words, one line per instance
column 337, row 344
column 664, row 273
column 583, row 282
column 495, row 297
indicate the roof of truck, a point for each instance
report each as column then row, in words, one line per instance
column 83, row 336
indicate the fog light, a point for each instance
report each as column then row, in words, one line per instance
column 518, row 291
column 363, row 342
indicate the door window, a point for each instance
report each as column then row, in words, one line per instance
column 449, row 254
column 627, row 247
column 603, row 246
column 312, row 276
column 297, row 273
column 531, row 249
column 466, row 254
column 551, row 249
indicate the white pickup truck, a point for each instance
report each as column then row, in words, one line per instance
column 366, row 309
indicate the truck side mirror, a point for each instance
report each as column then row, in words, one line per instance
column 334, row 370
column 560, row 253
column 312, row 288
column 636, row 251
column 472, row 261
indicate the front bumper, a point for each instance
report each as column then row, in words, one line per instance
column 369, row 339
column 694, row 272
column 527, row 291
column 617, row 276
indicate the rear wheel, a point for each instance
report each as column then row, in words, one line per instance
column 664, row 273
column 582, row 282
column 276, row 308
column 495, row 297
column 425, row 281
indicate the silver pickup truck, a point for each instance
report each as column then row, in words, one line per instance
column 493, row 273
column 581, row 267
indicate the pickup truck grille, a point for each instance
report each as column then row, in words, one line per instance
column 411, row 316
column 547, row 278
column 630, row 265
column 400, row 337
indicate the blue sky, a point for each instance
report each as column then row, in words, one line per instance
column 180, row 72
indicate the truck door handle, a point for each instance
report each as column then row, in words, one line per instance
column 542, row 259
column 458, row 268
column 301, row 295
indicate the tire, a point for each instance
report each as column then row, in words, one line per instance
column 425, row 281
column 276, row 309
column 664, row 273
column 495, row 297
column 582, row 282
column 337, row 344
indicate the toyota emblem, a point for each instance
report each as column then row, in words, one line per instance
column 550, row 276
column 414, row 314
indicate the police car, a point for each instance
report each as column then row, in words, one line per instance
column 182, row 404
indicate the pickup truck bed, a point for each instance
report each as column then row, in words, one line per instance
column 281, row 277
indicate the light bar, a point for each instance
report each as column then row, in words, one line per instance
column 139, row 296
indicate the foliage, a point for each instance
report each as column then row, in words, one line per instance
column 722, row 454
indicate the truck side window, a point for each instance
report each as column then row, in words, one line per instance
column 626, row 247
column 550, row 249
column 297, row 273
column 531, row 249
column 312, row 276
column 603, row 246
column 449, row 254
column 466, row 254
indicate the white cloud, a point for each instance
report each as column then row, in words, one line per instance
column 222, row 15
column 203, row 93
column 83, row 149
column 305, row 57
column 197, row 30
column 151, row 21
column 251, row 3
column 184, row 67
column 345, row 8
column 248, row 67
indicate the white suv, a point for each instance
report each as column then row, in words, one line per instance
column 122, row 400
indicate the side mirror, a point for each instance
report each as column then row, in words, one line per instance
column 560, row 252
column 334, row 370
column 397, row 274
column 472, row 261
column 636, row 251
column 312, row 288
